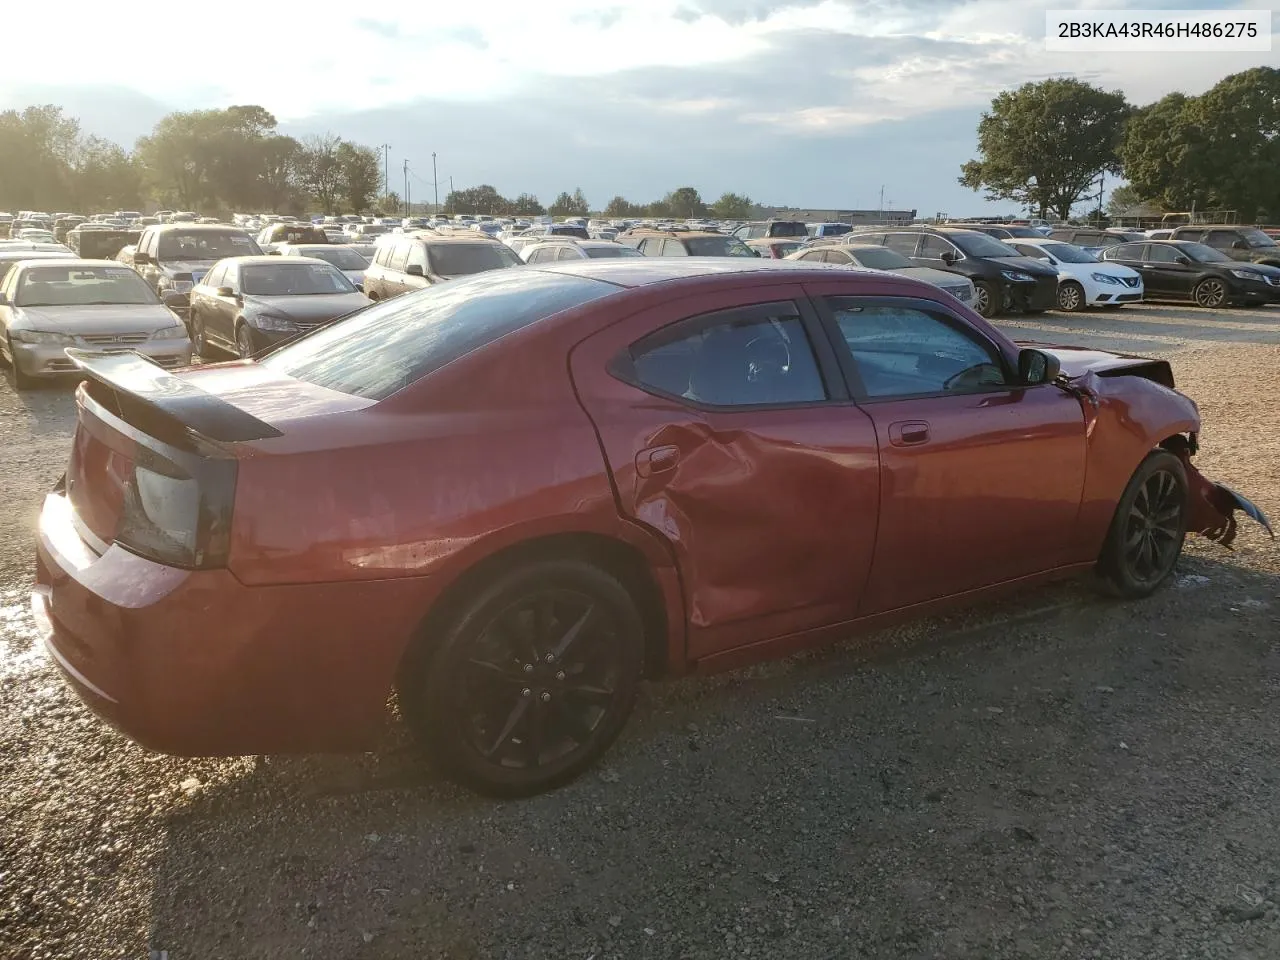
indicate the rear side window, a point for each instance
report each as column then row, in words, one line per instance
column 457, row 259
column 755, row 356
column 399, row 258
column 384, row 348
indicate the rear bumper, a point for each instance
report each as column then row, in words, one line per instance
column 195, row 663
column 49, row 360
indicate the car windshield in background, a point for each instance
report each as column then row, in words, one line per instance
column 980, row 245
column 605, row 253
column 459, row 259
column 1070, row 253
column 385, row 348
column 1203, row 253
column 568, row 230
column 1256, row 238
column 293, row 280
column 344, row 258
column 782, row 249
column 67, row 286
column 718, row 247
column 881, row 258
column 205, row 245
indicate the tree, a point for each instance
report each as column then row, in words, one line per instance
column 527, row 205
column 1221, row 149
column 281, row 165
column 1045, row 144
column 481, row 199
column 620, row 207
column 103, row 176
column 361, row 173
column 321, row 170
column 1127, row 200
column 37, row 147
column 176, row 160
column 570, row 206
column 685, row 202
column 732, row 206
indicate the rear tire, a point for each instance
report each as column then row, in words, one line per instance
column 530, row 681
column 984, row 299
column 1148, row 529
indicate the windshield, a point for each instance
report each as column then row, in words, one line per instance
column 458, row 259
column 1070, row 253
column 206, row 245
column 1202, row 253
column 604, row 253
column 880, row 258
column 379, row 350
column 981, row 245
column 718, row 247
column 293, row 280
column 1256, row 238
column 79, row 285
column 568, row 230
column 344, row 258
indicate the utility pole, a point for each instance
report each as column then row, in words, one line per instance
column 406, row 188
column 435, row 180
column 451, row 186
column 1102, row 180
column 386, row 171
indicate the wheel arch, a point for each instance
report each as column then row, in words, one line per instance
column 653, row 586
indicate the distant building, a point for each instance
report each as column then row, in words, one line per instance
column 838, row 216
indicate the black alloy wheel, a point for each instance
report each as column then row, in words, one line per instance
column 1211, row 292
column 1149, row 527
column 533, row 682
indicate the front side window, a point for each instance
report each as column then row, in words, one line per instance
column 1126, row 251
column 1162, row 254
column 980, row 245
column 902, row 351
column 1204, row 254
column 610, row 253
column 80, row 285
column 758, row 355
column 874, row 258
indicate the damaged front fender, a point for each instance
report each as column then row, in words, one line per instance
column 1211, row 507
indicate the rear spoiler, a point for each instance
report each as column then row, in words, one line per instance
column 134, row 378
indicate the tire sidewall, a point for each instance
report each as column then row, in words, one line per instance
column 1195, row 294
column 1080, row 298
column 426, row 684
column 980, row 287
column 243, row 329
column 1112, row 564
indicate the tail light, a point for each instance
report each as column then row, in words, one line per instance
column 176, row 508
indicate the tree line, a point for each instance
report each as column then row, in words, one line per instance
column 1048, row 145
column 681, row 204
column 205, row 160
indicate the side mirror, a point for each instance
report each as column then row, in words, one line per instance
column 1239, row 245
column 1184, row 260
column 139, row 257
column 1036, row 367
column 414, row 270
column 225, row 292
column 949, row 257
column 173, row 298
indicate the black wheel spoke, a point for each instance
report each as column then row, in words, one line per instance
column 591, row 693
column 535, row 736
column 495, row 672
column 571, row 720
column 513, row 720
column 571, row 635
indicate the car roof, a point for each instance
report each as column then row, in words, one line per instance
column 82, row 262
column 11, row 254
column 641, row 271
column 1212, row 226
column 188, row 227
column 268, row 258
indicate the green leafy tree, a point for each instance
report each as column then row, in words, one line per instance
column 481, row 199
column 567, row 205
column 37, row 147
column 104, row 177
column 321, row 170
column 685, row 202
column 1127, row 200
column 620, row 207
column 1218, row 150
column 732, row 206
column 527, row 205
column 1045, row 144
column 361, row 171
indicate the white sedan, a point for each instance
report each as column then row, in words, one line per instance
column 1083, row 280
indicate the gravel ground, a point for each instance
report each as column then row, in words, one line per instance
column 1055, row 776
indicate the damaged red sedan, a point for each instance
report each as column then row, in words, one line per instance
column 510, row 497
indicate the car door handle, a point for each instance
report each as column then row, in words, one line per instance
column 657, row 460
column 908, row 433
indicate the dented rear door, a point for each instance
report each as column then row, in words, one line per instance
column 770, row 509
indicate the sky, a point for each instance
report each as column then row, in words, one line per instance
column 809, row 103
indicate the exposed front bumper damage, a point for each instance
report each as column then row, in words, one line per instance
column 1211, row 507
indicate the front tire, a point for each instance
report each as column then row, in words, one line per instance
column 21, row 380
column 530, row 682
column 200, row 339
column 1210, row 293
column 1071, row 298
column 1148, row 529
column 984, row 299
column 245, row 346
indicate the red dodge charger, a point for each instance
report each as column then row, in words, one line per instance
column 510, row 497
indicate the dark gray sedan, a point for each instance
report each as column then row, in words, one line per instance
column 246, row 304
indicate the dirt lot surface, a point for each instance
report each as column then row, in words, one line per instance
column 1054, row 776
